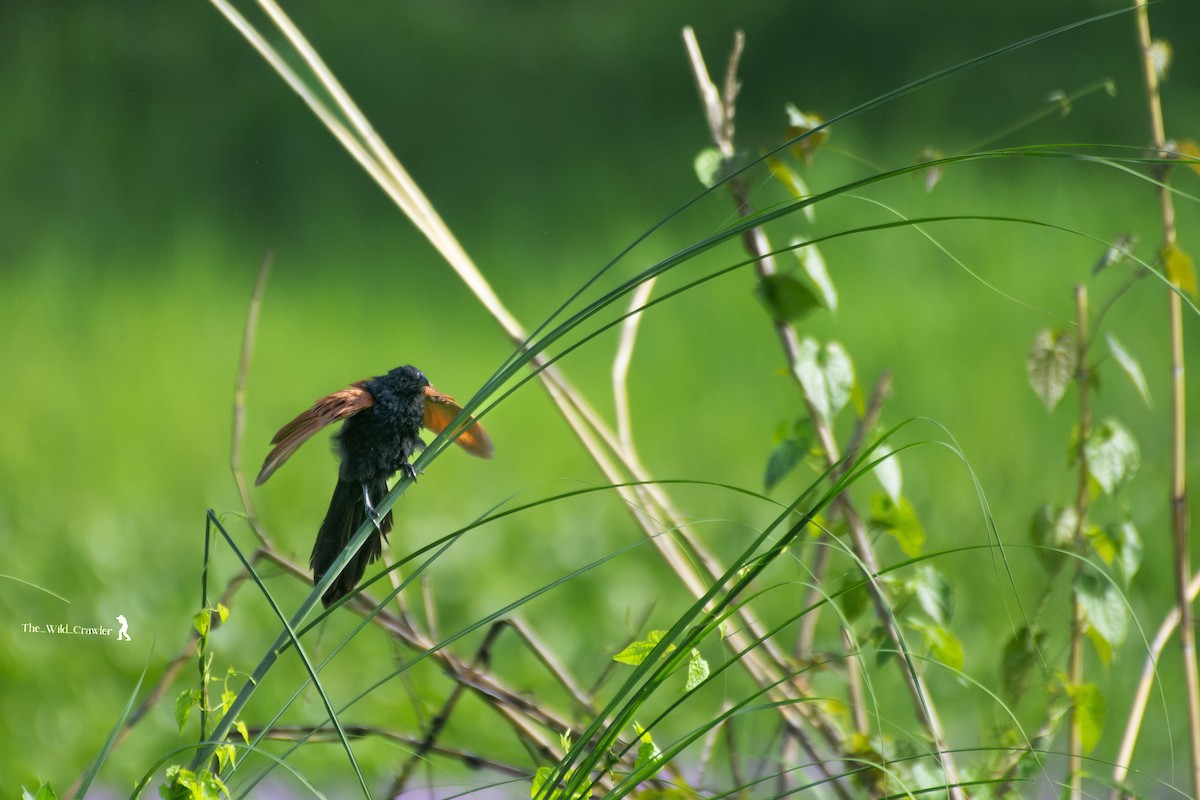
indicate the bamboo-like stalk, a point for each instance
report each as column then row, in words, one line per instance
column 719, row 108
column 1178, row 497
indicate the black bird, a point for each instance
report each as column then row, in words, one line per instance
column 383, row 418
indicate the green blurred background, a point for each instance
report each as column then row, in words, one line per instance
column 149, row 158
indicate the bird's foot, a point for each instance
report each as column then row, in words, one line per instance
column 409, row 471
column 370, row 508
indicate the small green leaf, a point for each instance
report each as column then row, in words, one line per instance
column 539, row 780
column 1104, row 545
column 1103, row 608
column 1119, row 546
column 853, row 595
column 1113, row 455
column 827, row 376
column 785, row 298
column 185, row 701
column 887, row 472
column 697, row 671
column 1180, row 270
column 1050, row 365
column 647, row 751
column 791, row 181
column 226, row 755
column 1089, row 710
column 178, row 786
column 1190, row 151
column 1021, row 657
column 636, row 652
column 1103, row 648
column 783, row 459
column 222, row 613
column 1129, row 558
column 1130, row 365
column 943, row 645
column 934, row 594
column 884, row 650
column 898, row 520
column 813, row 264
column 185, row 783
column 708, row 165
column 1052, row 531
column 242, row 731
column 171, row 780
column 44, row 792
column 839, row 377
column 201, row 622
column 800, row 123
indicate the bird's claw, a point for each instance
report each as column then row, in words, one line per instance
column 372, row 514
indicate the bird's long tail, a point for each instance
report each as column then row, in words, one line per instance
column 347, row 512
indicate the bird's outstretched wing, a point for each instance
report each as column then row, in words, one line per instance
column 440, row 411
column 329, row 409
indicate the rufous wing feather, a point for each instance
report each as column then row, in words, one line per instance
column 440, row 411
column 326, row 411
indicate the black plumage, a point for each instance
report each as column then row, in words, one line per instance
column 382, row 419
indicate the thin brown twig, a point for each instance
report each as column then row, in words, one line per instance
column 239, row 399
column 550, row 661
column 297, row 733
